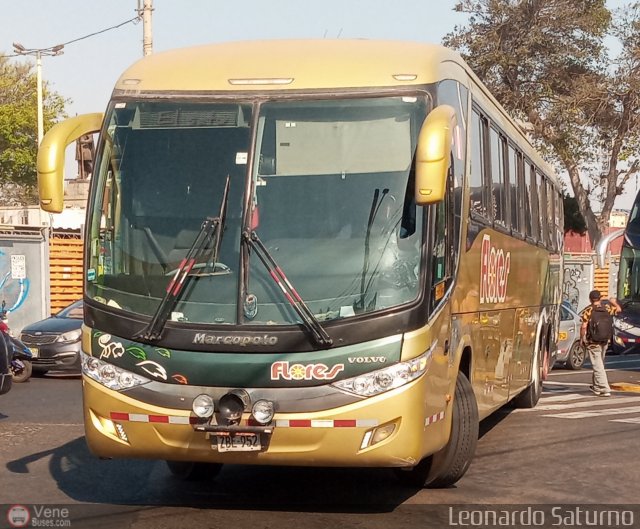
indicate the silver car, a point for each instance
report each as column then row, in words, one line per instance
column 571, row 353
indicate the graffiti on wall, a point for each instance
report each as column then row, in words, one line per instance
column 577, row 281
column 14, row 283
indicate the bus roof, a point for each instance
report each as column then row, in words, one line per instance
column 289, row 64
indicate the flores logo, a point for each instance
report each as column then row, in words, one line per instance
column 282, row 371
column 495, row 265
column 18, row 516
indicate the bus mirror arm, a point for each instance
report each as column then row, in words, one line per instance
column 50, row 161
column 603, row 246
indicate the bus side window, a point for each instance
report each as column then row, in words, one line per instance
column 498, row 184
column 515, row 188
column 479, row 196
column 533, row 195
column 542, row 210
column 443, row 253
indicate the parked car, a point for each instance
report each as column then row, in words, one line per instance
column 571, row 353
column 55, row 342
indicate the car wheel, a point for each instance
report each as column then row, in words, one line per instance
column 576, row 356
column 192, row 471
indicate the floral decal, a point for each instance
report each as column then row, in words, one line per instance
column 110, row 349
column 154, row 369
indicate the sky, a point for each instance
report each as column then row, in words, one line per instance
column 88, row 69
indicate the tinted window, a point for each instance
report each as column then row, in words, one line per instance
column 498, row 187
column 478, row 200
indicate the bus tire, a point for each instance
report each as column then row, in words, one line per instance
column 447, row 466
column 530, row 396
column 194, row 471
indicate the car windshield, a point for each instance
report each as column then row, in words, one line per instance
column 73, row 311
column 330, row 195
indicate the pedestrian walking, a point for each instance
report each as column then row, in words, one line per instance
column 595, row 333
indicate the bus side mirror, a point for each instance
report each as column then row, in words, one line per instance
column 50, row 162
column 433, row 155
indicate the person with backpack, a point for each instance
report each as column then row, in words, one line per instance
column 595, row 333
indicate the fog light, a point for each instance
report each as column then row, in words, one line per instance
column 203, row 406
column 263, row 411
column 618, row 340
column 382, row 433
column 121, row 433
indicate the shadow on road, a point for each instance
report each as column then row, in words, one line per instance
column 85, row 478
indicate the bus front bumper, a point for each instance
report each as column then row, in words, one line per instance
column 395, row 429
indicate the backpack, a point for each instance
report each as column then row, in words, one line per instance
column 600, row 326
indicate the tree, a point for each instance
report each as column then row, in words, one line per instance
column 18, row 130
column 573, row 220
column 547, row 63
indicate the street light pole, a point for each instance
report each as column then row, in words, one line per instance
column 39, row 96
column 38, row 53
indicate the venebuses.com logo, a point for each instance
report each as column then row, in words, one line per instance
column 18, row 516
column 38, row 516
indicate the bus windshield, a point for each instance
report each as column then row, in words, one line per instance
column 629, row 275
column 326, row 185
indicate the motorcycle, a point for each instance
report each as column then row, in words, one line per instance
column 6, row 377
column 17, row 354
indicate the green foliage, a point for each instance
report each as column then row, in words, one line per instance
column 573, row 219
column 547, row 63
column 19, row 129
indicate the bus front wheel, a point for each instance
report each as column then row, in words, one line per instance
column 192, row 471
column 447, row 466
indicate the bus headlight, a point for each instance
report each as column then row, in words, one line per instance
column 376, row 382
column 622, row 325
column 108, row 375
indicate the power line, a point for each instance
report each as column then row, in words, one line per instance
column 134, row 19
column 131, row 20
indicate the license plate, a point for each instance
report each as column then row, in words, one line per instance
column 34, row 351
column 240, row 442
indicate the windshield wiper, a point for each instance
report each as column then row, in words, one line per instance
column 308, row 318
column 373, row 212
column 207, row 241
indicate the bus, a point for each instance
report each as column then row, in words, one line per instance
column 626, row 324
column 324, row 253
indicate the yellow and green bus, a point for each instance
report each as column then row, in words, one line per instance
column 328, row 253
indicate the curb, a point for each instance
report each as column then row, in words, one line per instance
column 625, row 386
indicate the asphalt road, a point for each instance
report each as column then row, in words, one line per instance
column 573, row 448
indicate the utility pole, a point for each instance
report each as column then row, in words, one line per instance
column 147, row 32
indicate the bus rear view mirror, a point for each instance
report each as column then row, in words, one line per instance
column 433, row 155
column 50, row 162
